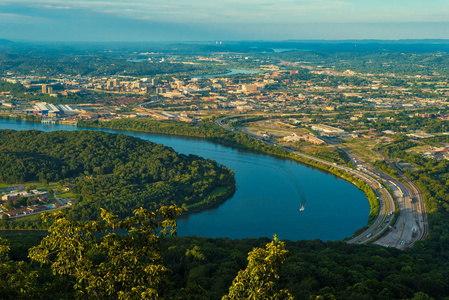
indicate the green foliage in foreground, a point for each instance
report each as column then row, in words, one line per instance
column 17, row 279
column 332, row 270
column 107, row 265
column 91, row 260
column 116, row 172
column 255, row 282
column 121, row 259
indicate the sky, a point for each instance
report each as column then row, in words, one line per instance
column 228, row 20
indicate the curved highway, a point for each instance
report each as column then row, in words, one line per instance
column 414, row 204
column 409, row 226
column 386, row 201
column 411, row 221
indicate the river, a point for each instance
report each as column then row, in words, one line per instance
column 231, row 72
column 267, row 200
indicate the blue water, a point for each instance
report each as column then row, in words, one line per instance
column 137, row 60
column 268, row 196
column 231, row 72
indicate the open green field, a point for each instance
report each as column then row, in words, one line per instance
column 217, row 191
column 37, row 216
column 364, row 147
column 68, row 194
column 4, row 185
column 35, row 185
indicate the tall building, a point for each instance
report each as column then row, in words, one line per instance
column 44, row 89
column 50, row 90
column 179, row 84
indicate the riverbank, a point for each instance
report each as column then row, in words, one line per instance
column 269, row 191
column 214, row 133
column 113, row 171
column 214, row 200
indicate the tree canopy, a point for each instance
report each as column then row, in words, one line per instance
column 113, row 171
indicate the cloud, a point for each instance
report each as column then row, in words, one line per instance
column 57, row 7
column 12, row 18
column 251, row 11
column 96, row 20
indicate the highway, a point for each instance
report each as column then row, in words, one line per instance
column 416, row 224
column 408, row 227
column 411, row 221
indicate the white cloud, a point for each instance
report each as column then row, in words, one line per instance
column 251, row 11
column 11, row 18
column 57, row 7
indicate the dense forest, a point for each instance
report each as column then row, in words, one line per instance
column 112, row 171
column 203, row 268
column 75, row 261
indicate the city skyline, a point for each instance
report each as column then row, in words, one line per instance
column 137, row 20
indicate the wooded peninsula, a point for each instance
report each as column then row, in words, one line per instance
column 112, row 171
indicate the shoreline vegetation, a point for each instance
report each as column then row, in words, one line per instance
column 111, row 171
column 211, row 132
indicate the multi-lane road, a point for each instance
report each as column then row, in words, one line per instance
column 410, row 224
column 414, row 206
column 408, row 214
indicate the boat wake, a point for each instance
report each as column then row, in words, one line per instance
column 302, row 204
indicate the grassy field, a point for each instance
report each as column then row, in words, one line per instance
column 364, row 148
column 420, row 149
column 35, row 185
column 37, row 216
column 4, row 185
column 217, row 191
column 68, row 194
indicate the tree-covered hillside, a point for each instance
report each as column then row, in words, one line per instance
column 112, row 171
column 88, row 260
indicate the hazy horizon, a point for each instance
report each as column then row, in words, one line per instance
column 231, row 20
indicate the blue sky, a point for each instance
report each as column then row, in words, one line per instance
column 197, row 20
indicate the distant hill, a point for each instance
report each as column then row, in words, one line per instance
column 365, row 46
column 4, row 42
